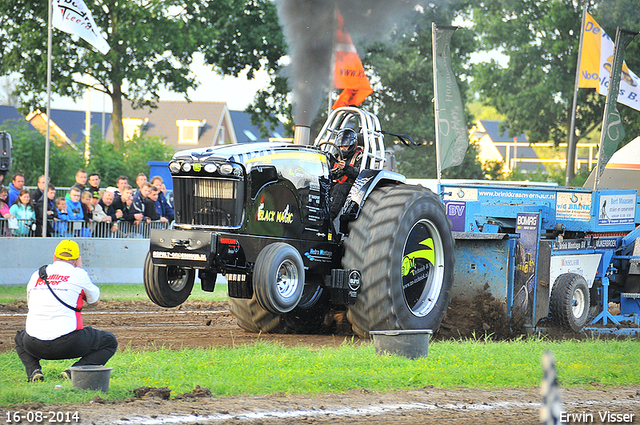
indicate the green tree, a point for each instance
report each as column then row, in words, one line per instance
column 403, row 67
column 129, row 160
column 107, row 160
column 541, row 40
column 28, row 156
column 152, row 45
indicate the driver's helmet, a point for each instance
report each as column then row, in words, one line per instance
column 347, row 137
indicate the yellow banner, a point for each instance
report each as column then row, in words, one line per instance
column 590, row 59
column 595, row 66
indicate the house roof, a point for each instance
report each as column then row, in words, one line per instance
column 247, row 132
column 9, row 113
column 522, row 149
column 163, row 121
column 71, row 123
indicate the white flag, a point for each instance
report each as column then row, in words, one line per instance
column 73, row 17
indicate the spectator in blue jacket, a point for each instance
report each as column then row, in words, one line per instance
column 61, row 225
column 155, row 202
column 75, row 211
column 163, row 198
column 16, row 185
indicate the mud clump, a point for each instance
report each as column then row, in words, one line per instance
column 198, row 392
column 484, row 316
column 152, row 392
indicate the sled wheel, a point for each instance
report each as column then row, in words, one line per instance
column 167, row 286
column 251, row 317
column 278, row 278
column 570, row 302
column 403, row 247
column 309, row 315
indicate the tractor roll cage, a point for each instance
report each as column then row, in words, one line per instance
column 370, row 137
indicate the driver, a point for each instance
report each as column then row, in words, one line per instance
column 345, row 170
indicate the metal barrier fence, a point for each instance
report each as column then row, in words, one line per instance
column 26, row 228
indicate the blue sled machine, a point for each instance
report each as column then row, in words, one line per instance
column 547, row 257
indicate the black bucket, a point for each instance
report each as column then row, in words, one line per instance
column 91, row 377
column 410, row 343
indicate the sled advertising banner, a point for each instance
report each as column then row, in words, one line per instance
column 526, row 260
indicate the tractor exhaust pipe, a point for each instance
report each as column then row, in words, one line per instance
column 301, row 135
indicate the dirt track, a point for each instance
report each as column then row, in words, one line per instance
column 196, row 324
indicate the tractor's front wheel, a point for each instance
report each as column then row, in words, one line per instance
column 167, row 286
column 403, row 246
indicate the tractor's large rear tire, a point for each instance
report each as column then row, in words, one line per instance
column 251, row 317
column 309, row 315
column 167, row 286
column 403, row 246
column 569, row 303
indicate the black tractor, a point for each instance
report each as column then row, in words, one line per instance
column 259, row 214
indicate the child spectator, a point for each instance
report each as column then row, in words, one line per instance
column 85, row 200
column 4, row 211
column 22, row 209
column 4, row 207
column 61, row 226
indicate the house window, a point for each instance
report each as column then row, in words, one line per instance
column 133, row 127
column 189, row 131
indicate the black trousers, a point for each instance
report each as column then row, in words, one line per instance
column 338, row 195
column 94, row 347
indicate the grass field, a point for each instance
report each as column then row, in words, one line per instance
column 266, row 368
column 9, row 294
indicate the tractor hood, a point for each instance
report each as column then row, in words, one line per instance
column 239, row 153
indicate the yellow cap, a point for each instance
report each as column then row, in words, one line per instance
column 67, row 250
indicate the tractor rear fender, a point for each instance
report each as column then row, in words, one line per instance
column 366, row 182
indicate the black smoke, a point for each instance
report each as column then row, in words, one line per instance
column 310, row 30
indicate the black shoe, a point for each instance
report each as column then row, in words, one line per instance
column 66, row 374
column 36, row 376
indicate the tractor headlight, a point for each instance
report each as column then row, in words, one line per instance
column 186, row 167
column 226, row 169
column 174, row 167
column 210, row 168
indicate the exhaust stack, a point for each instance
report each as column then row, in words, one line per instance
column 301, row 135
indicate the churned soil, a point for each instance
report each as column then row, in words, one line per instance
column 141, row 324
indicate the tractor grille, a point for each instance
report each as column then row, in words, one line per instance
column 208, row 202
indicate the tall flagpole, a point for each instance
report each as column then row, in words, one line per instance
column 435, row 102
column 45, row 198
column 571, row 146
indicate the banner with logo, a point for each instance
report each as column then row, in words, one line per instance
column 612, row 129
column 73, row 17
column 452, row 138
column 349, row 73
column 596, row 63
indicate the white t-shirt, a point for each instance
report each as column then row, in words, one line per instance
column 47, row 318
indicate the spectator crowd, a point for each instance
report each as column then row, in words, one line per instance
column 86, row 210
